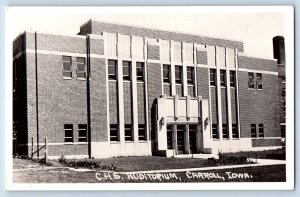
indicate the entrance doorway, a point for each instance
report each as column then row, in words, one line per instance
column 180, row 138
column 192, row 138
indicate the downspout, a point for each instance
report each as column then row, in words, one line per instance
column 36, row 92
column 88, row 96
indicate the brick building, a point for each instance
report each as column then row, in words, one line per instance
column 150, row 92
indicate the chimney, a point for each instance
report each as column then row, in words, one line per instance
column 279, row 49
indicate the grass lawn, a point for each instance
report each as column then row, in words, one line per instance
column 275, row 173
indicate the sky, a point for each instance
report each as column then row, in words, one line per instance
column 254, row 26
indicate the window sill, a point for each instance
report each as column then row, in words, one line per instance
column 81, row 143
column 141, row 82
column 143, row 141
column 68, row 143
column 216, row 139
column 129, row 142
column 114, row 80
column 81, row 79
column 251, row 89
column 115, row 142
column 235, row 138
column 67, row 78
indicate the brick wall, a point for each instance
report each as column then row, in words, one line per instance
column 154, row 91
column 233, row 105
column 95, row 27
column 98, row 100
column 266, row 142
column 201, row 57
column 141, row 103
column 127, row 103
column 113, row 102
column 214, row 105
column 259, row 106
column 224, row 105
column 153, row 52
column 257, row 64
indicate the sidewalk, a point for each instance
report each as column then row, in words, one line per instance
column 260, row 162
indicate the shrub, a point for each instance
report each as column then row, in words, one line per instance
column 85, row 163
column 225, row 159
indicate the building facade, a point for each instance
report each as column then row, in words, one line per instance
column 116, row 90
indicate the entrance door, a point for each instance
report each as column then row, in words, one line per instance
column 169, row 136
column 192, row 138
column 180, row 139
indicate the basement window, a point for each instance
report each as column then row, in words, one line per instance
column 128, row 132
column 215, row 132
column 82, row 133
column 225, row 131
column 81, row 68
column 140, row 71
column 114, row 134
column 68, row 128
column 67, row 67
column 235, row 131
column 142, row 132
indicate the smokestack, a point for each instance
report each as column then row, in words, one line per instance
column 279, row 49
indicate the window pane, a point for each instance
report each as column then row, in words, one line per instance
column 166, row 73
column 222, row 77
column 114, row 135
column 253, row 130
column 81, row 75
column 126, row 70
column 212, row 77
column 178, row 74
column 81, row 67
column 215, row 132
column 251, row 80
column 232, row 78
column 66, row 66
column 190, row 71
column 128, row 133
column 142, row 132
column 66, row 58
column 80, row 60
column 140, row 71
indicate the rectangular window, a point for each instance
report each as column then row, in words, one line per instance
column 261, row 130
column 81, row 68
column 128, row 132
column 112, row 69
column 212, row 77
column 259, row 81
column 114, row 134
column 140, row 71
column 253, row 131
column 215, row 132
column 126, row 70
column 82, row 133
column 67, row 67
column 232, row 78
column 223, row 78
column 167, row 73
column 235, row 131
column 251, row 80
column 68, row 128
column 178, row 74
column 190, row 75
column 225, row 131
column 142, row 132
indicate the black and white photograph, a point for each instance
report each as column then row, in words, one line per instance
column 129, row 95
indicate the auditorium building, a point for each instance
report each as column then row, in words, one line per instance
column 116, row 90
